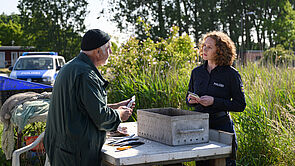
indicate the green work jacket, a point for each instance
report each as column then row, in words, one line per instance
column 78, row 116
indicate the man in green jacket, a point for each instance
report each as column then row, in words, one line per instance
column 79, row 115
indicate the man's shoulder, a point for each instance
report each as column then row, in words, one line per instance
column 77, row 65
column 74, row 69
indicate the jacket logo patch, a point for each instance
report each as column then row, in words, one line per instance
column 218, row 84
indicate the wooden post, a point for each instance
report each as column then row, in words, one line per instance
column 19, row 139
column 217, row 162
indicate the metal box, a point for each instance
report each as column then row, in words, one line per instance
column 173, row 126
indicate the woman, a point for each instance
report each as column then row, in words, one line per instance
column 218, row 84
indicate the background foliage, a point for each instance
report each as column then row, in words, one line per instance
column 154, row 71
column 266, row 128
column 57, row 25
column 53, row 25
column 273, row 21
column 278, row 56
column 11, row 32
column 48, row 25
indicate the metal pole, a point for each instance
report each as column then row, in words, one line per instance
column 242, row 40
column 243, row 59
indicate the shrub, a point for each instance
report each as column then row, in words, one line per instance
column 278, row 56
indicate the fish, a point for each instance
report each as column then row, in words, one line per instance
column 130, row 143
column 128, row 138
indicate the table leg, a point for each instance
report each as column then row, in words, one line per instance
column 217, row 162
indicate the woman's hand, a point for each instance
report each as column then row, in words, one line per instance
column 206, row 100
column 192, row 100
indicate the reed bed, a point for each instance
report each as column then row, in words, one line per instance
column 265, row 130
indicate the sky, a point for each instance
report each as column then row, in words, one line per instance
column 10, row 6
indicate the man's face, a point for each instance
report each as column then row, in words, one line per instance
column 103, row 54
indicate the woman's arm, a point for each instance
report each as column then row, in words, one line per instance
column 237, row 102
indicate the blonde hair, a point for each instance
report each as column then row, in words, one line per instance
column 226, row 49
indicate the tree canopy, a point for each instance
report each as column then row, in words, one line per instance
column 53, row 25
column 271, row 22
column 11, row 32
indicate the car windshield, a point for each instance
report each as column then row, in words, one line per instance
column 34, row 63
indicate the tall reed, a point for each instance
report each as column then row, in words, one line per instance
column 266, row 129
column 153, row 87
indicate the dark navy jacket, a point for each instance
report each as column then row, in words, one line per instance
column 223, row 83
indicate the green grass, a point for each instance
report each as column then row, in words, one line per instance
column 266, row 128
column 153, row 89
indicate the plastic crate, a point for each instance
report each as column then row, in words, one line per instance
column 173, row 126
column 30, row 139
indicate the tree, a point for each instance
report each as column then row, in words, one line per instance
column 160, row 14
column 191, row 16
column 272, row 22
column 11, row 32
column 285, row 26
column 278, row 56
column 54, row 25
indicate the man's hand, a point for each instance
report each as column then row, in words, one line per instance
column 125, row 112
column 121, row 103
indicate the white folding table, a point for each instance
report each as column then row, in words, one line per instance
column 154, row 153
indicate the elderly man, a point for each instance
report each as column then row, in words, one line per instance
column 79, row 115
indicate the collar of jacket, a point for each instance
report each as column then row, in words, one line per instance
column 217, row 68
column 83, row 57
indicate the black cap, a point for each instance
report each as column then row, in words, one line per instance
column 94, row 38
